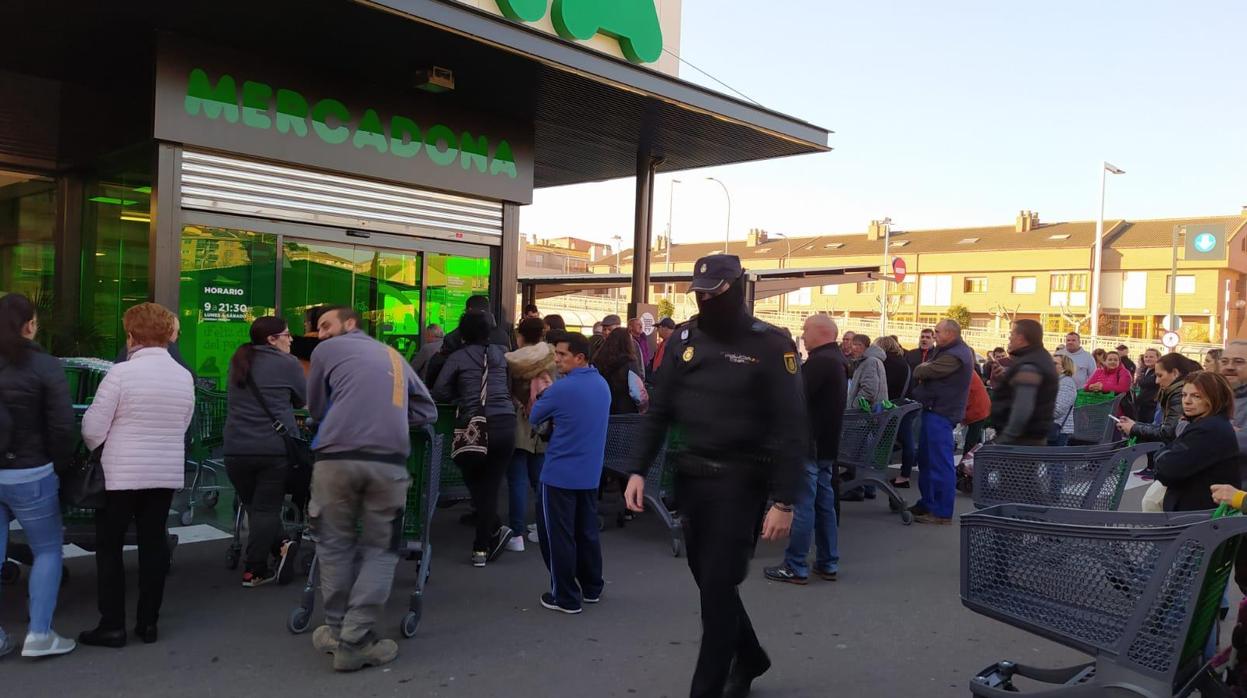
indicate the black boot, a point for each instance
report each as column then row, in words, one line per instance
column 740, row 680
column 147, row 633
column 102, row 637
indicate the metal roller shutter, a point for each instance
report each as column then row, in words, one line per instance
column 233, row 185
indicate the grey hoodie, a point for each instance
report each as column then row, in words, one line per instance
column 870, row 379
column 366, row 399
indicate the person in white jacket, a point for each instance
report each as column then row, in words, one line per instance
column 142, row 410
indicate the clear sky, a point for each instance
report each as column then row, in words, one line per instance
column 956, row 113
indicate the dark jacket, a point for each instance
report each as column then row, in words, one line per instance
column 826, row 395
column 944, row 386
column 248, row 430
column 1125, row 361
column 897, row 371
column 453, row 342
column 1145, row 402
column 1203, row 455
column 36, row 395
column 914, row 358
column 460, row 382
column 1033, row 367
column 1170, row 400
column 617, row 381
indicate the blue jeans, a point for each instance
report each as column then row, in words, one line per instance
column 814, row 516
column 523, row 474
column 37, row 508
column 909, row 443
column 937, row 480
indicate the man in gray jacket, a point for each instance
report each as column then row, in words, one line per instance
column 1233, row 365
column 366, row 399
column 870, row 380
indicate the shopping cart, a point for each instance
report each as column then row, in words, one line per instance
column 1091, row 418
column 453, row 487
column 1078, row 477
column 866, row 442
column 622, row 436
column 204, row 440
column 424, row 465
column 1140, row 593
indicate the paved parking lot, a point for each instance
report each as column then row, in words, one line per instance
column 892, row 626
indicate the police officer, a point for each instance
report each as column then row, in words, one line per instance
column 731, row 384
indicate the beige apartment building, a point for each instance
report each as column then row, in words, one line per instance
column 1031, row 269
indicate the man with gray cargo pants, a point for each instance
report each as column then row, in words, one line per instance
column 366, row 399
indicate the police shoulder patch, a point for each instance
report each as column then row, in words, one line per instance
column 688, row 354
column 790, row 362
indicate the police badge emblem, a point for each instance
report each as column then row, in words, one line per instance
column 790, row 362
column 688, row 354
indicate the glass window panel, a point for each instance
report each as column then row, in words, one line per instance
column 226, row 281
column 27, row 246
column 1024, row 284
column 451, row 281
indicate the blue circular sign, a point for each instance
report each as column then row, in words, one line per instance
column 1204, row 242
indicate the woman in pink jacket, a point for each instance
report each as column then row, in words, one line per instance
column 1112, row 377
column 142, row 410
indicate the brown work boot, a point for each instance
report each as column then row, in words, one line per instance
column 324, row 639
column 929, row 518
column 371, row 652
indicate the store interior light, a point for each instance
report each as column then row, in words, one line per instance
column 137, row 217
column 143, row 190
column 112, row 200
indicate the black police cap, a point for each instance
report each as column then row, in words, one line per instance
column 712, row 270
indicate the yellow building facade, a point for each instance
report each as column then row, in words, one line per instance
column 1031, row 269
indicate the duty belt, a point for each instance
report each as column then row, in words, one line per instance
column 704, row 465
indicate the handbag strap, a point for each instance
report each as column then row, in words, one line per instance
column 255, row 391
column 484, row 377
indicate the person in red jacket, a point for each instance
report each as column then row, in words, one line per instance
column 978, row 409
column 1112, row 377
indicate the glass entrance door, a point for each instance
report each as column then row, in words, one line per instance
column 382, row 285
column 230, row 276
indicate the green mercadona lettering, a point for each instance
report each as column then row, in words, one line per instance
column 263, row 108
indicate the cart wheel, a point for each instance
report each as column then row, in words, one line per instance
column 895, row 506
column 187, row 517
column 231, row 558
column 299, row 619
column 10, row 572
column 676, row 547
column 907, row 517
column 211, row 498
column 411, row 621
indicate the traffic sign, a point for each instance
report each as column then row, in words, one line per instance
column 1170, row 340
column 898, row 269
column 1205, row 242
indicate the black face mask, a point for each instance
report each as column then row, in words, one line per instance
column 724, row 315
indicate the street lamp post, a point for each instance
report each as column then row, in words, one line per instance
column 883, row 282
column 1106, row 168
column 783, row 301
column 727, row 236
column 670, row 209
column 618, row 265
column 1172, row 324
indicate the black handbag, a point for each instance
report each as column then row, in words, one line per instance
column 472, row 439
column 82, row 485
column 298, row 450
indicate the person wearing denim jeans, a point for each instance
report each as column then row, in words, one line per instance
column 814, row 511
column 909, row 423
column 38, row 440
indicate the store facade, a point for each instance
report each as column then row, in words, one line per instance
column 230, row 171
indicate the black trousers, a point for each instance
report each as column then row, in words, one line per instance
column 260, row 482
column 483, row 476
column 149, row 510
column 721, row 517
column 567, row 529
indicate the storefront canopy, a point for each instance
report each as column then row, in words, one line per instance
column 767, row 283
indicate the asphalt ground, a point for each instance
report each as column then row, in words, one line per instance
column 893, row 625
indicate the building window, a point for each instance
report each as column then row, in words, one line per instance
column 936, row 290
column 800, row 296
column 831, row 290
column 1134, row 290
column 1185, row 287
column 866, row 287
column 974, row 284
column 1023, row 284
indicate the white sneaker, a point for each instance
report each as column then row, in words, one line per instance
column 46, row 645
column 532, row 528
column 516, row 544
column 532, row 536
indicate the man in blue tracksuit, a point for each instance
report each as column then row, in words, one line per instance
column 943, row 389
column 567, row 511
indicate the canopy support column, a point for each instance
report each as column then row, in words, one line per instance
column 643, row 223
